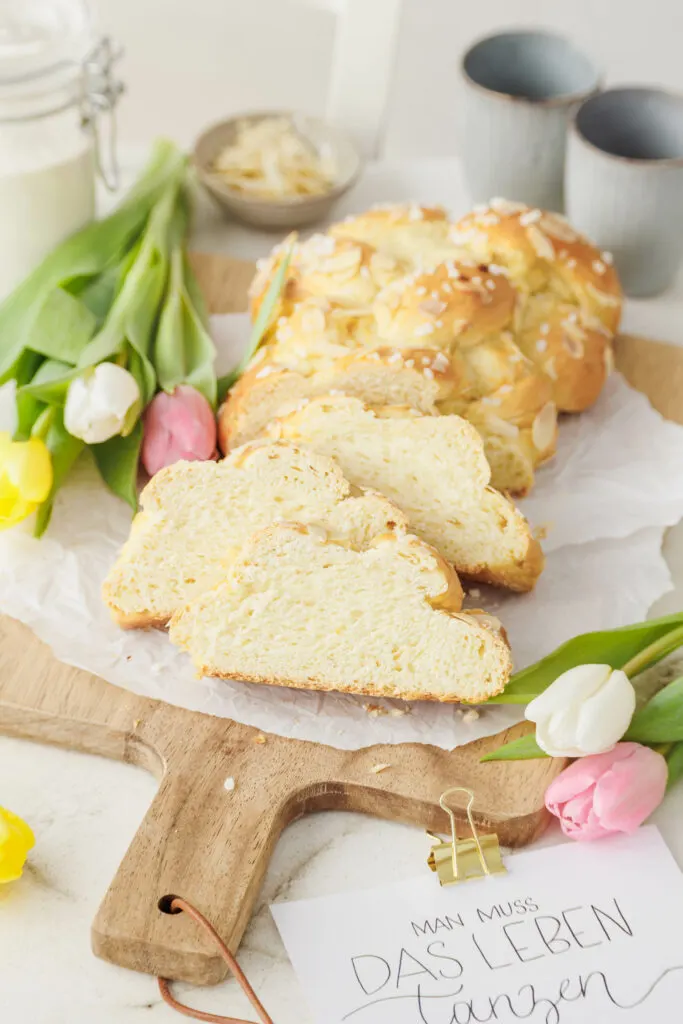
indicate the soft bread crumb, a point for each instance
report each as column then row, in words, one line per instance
column 435, row 469
column 196, row 515
column 297, row 611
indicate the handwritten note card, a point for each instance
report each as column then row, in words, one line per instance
column 587, row 933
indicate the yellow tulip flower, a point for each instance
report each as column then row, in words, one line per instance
column 16, row 839
column 25, row 478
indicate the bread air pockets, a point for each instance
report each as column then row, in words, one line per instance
column 434, row 468
column 194, row 516
column 298, row 609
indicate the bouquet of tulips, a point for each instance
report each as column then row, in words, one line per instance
column 584, row 701
column 108, row 348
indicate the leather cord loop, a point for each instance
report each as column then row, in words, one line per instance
column 177, row 904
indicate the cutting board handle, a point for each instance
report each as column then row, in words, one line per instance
column 199, row 840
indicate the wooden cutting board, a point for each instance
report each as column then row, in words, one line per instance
column 212, row 845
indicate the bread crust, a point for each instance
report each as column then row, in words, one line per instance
column 381, row 690
column 570, row 298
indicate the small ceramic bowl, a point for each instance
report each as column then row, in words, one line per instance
column 291, row 212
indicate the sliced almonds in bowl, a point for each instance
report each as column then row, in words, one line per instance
column 272, row 159
column 276, row 169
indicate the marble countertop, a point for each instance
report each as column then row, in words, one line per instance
column 85, row 810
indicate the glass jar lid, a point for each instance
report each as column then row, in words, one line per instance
column 39, row 37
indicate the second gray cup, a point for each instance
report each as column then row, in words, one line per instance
column 624, row 182
column 521, row 89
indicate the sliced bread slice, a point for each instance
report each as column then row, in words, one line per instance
column 435, row 469
column 195, row 515
column 296, row 609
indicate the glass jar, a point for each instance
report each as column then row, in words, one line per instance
column 56, row 89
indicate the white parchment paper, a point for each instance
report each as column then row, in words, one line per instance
column 615, row 484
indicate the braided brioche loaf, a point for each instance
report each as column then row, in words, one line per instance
column 501, row 318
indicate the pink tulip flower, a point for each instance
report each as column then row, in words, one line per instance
column 603, row 794
column 178, row 426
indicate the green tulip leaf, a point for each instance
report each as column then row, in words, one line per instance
column 674, row 760
column 117, row 461
column 63, row 327
column 266, row 314
column 65, row 451
column 86, row 254
column 184, row 352
column 50, row 383
column 661, row 720
column 524, row 749
column 27, row 409
column 615, row 647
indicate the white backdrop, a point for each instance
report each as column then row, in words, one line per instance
column 192, row 61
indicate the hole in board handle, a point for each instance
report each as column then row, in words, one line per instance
column 165, row 905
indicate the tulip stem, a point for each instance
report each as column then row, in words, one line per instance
column 655, row 652
column 42, row 425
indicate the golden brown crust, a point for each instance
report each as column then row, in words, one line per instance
column 425, row 373
column 140, row 620
column 381, row 690
column 455, row 304
column 570, row 296
column 520, row 578
column 415, row 234
column 344, row 271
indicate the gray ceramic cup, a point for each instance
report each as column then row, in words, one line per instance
column 624, row 182
column 521, row 89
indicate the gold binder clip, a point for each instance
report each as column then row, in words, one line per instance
column 462, row 859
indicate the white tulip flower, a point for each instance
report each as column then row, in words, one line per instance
column 586, row 710
column 100, row 403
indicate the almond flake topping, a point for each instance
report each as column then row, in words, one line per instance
column 541, row 345
column 540, row 242
column 434, row 306
column 599, row 267
column 487, row 219
column 423, row 329
column 313, row 320
column 380, row 262
column 530, row 217
column 543, row 428
column 501, row 427
column 506, row 206
column 573, row 345
column 266, row 371
column 602, row 297
column 558, row 228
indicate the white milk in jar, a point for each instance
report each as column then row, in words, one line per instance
column 54, row 82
